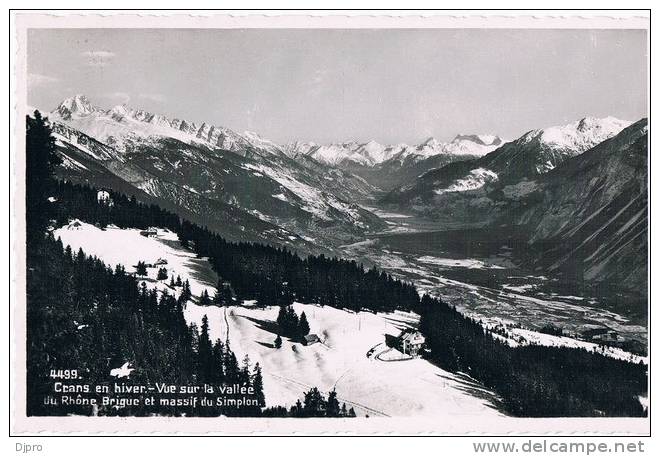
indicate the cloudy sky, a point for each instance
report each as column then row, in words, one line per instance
column 335, row 85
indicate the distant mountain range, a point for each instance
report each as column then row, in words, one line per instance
column 388, row 166
column 373, row 153
column 533, row 154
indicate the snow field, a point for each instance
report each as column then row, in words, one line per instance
column 375, row 388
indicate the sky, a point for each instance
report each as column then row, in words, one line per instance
column 392, row 86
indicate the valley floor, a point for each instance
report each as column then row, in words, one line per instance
column 490, row 287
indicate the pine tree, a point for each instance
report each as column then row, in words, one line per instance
column 314, row 404
column 141, row 268
column 278, row 342
column 303, row 325
column 171, row 285
column 232, row 371
column 222, row 294
column 292, row 322
column 297, row 409
column 245, row 370
column 178, row 281
column 281, row 318
column 258, row 385
column 185, row 292
column 40, row 158
column 218, row 362
column 332, row 407
column 205, row 365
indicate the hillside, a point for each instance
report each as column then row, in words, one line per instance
column 267, row 195
column 345, row 361
column 589, row 216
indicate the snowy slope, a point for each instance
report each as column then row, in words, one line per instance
column 540, row 151
column 347, row 358
column 374, row 387
column 127, row 247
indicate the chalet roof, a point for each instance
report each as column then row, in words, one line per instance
column 412, row 336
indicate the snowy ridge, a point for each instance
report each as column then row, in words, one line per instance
column 121, row 124
column 372, row 153
column 116, row 126
column 579, row 135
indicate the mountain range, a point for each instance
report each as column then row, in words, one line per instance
column 461, row 189
column 388, row 166
column 578, row 190
column 238, row 184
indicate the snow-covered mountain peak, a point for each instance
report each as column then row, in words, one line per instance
column 577, row 136
column 373, row 153
column 77, row 105
column 117, row 124
column 119, row 112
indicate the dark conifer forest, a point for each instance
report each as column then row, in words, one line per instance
column 126, row 322
column 533, row 380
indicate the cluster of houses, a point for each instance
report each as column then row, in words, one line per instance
column 603, row 335
column 410, row 342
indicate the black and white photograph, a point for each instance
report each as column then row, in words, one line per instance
column 351, row 225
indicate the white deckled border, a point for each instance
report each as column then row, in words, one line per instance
column 460, row 425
